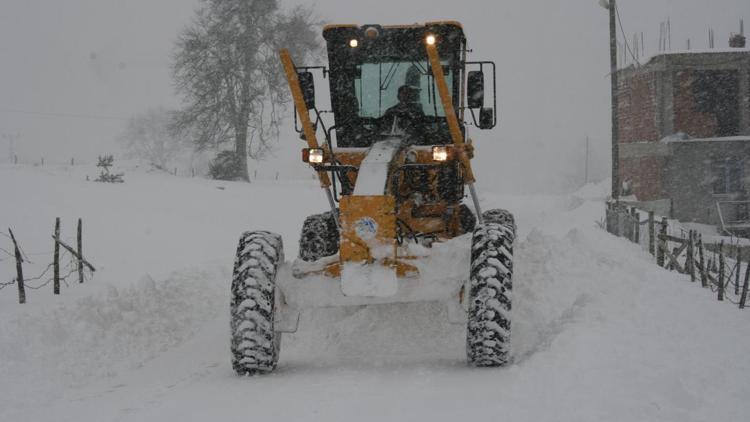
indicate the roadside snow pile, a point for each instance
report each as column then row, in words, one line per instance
column 108, row 332
column 595, row 191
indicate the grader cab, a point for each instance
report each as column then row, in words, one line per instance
column 393, row 164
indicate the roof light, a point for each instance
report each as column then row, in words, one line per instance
column 372, row 32
column 431, row 39
column 353, row 43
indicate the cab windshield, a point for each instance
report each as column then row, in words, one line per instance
column 377, row 86
column 384, row 82
column 372, row 99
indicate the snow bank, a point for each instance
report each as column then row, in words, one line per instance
column 595, row 191
column 108, row 332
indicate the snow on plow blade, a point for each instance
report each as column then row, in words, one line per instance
column 442, row 274
column 368, row 280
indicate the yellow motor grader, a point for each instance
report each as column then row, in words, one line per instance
column 394, row 165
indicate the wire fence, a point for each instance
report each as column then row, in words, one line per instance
column 718, row 266
column 75, row 264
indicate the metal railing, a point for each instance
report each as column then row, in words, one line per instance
column 734, row 216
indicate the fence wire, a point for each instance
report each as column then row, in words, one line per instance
column 28, row 283
column 630, row 223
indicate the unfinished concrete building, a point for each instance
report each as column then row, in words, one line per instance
column 684, row 136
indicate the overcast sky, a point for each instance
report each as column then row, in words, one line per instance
column 72, row 71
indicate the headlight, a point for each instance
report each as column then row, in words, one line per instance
column 313, row 155
column 431, row 40
column 316, row 156
column 353, row 43
column 440, row 153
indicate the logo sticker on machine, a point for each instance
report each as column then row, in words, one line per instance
column 366, row 228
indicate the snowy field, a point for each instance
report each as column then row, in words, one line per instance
column 599, row 332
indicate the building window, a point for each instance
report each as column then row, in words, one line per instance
column 715, row 93
column 727, row 175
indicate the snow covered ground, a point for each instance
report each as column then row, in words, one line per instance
column 599, row 332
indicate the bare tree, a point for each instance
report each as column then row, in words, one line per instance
column 226, row 66
column 149, row 136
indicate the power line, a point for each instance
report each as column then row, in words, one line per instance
column 625, row 37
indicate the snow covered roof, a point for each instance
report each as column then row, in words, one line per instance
column 677, row 139
column 702, row 51
column 654, row 58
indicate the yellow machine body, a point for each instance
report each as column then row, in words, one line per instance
column 369, row 225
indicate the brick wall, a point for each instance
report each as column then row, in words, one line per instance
column 687, row 118
column 637, row 114
column 644, row 177
column 707, row 103
column 638, row 108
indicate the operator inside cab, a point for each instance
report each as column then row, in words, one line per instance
column 407, row 116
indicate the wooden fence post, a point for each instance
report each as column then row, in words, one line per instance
column 19, row 270
column 651, row 234
column 80, row 251
column 662, row 249
column 629, row 228
column 636, row 226
column 671, row 264
column 744, row 287
column 721, row 271
column 608, row 217
column 56, row 262
column 614, row 220
column 739, row 268
column 704, row 270
column 690, row 263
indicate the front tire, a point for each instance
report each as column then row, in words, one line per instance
column 466, row 218
column 255, row 345
column 319, row 237
column 488, row 328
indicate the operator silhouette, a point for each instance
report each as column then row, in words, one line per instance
column 407, row 116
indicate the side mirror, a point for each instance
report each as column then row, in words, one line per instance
column 486, row 118
column 307, row 83
column 476, row 89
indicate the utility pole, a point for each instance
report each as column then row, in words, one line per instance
column 586, row 178
column 11, row 144
column 613, row 74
